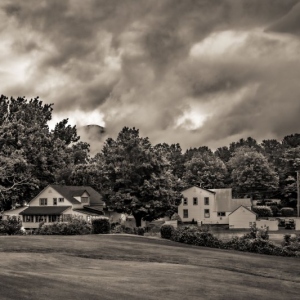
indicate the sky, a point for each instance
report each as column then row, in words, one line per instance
column 205, row 72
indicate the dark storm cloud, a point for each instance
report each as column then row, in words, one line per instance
column 289, row 23
column 146, row 64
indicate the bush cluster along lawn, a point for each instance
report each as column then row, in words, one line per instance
column 134, row 267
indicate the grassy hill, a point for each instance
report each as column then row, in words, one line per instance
column 132, row 267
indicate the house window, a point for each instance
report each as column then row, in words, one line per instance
column 53, row 218
column 27, row 218
column 206, row 213
column 43, row 201
column 221, row 214
column 54, row 201
column 206, row 200
column 61, row 199
column 84, row 199
column 185, row 213
column 41, row 218
column 195, row 201
column 185, row 201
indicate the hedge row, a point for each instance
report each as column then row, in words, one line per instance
column 257, row 240
column 74, row 227
column 11, row 226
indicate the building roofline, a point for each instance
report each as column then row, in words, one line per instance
column 245, row 208
column 198, row 188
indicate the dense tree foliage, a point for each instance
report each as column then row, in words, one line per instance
column 137, row 179
column 251, row 173
column 32, row 156
column 134, row 176
column 205, row 169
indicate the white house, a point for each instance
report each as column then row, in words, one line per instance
column 209, row 206
column 242, row 218
column 58, row 203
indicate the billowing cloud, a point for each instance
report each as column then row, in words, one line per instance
column 193, row 72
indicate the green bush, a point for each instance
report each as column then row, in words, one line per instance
column 287, row 211
column 138, row 230
column 75, row 226
column 128, row 230
column 257, row 241
column 166, row 231
column 101, row 226
column 275, row 210
column 117, row 229
column 11, row 226
column 262, row 211
column 195, row 236
column 113, row 225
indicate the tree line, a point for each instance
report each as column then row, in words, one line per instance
column 133, row 175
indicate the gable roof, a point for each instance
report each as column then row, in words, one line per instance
column 223, row 199
column 15, row 211
column 198, row 187
column 243, row 207
column 71, row 191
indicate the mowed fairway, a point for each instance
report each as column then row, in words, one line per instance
column 130, row 267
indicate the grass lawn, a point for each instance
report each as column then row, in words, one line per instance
column 132, row 267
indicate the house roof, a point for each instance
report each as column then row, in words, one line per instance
column 243, row 207
column 236, row 203
column 223, row 199
column 89, row 212
column 70, row 191
column 198, row 187
column 15, row 211
column 44, row 210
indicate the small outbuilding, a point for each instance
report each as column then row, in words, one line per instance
column 242, row 218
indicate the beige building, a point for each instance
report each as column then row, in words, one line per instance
column 242, row 218
column 58, row 203
column 209, row 206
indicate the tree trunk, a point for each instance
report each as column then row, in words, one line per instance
column 138, row 220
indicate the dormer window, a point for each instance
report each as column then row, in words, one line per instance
column 84, row 199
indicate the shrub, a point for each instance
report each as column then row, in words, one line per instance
column 195, row 236
column 75, row 226
column 275, row 210
column 287, row 211
column 128, row 230
column 101, row 226
column 11, row 226
column 114, row 224
column 176, row 217
column 262, row 211
column 166, row 231
column 138, row 230
column 117, row 229
column 257, row 233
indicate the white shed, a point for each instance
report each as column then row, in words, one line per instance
column 242, row 217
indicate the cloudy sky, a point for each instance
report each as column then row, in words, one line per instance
column 204, row 72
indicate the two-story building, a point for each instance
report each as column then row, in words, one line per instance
column 209, row 206
column 59, row 203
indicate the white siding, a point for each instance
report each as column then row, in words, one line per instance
column 297, row 223
column 241, row 218
column 196, row 212
column 49, row 193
